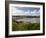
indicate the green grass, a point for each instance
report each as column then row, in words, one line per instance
column 23, row 26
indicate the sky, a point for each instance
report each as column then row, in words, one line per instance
column 32, row 11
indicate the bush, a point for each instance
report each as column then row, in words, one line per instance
column 21, row 26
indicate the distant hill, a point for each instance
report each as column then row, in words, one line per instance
column 27, row 16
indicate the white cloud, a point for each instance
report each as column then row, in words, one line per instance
column 27, row 12
column 17, row 12
column 21, row 12
column 38, row 11
column 35, row 13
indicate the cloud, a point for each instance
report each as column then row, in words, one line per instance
column 17, row 12
column 35, row 13
column 28, row 12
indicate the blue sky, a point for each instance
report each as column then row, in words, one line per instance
column 33, row 11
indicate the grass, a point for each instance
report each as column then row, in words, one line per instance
column 23, row 26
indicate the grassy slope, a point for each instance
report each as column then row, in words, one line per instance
column 21, row 26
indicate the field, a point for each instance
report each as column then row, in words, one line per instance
column 23, row 26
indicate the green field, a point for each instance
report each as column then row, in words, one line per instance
column 24, row 26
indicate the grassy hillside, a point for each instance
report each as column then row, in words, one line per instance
column 21, row 26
